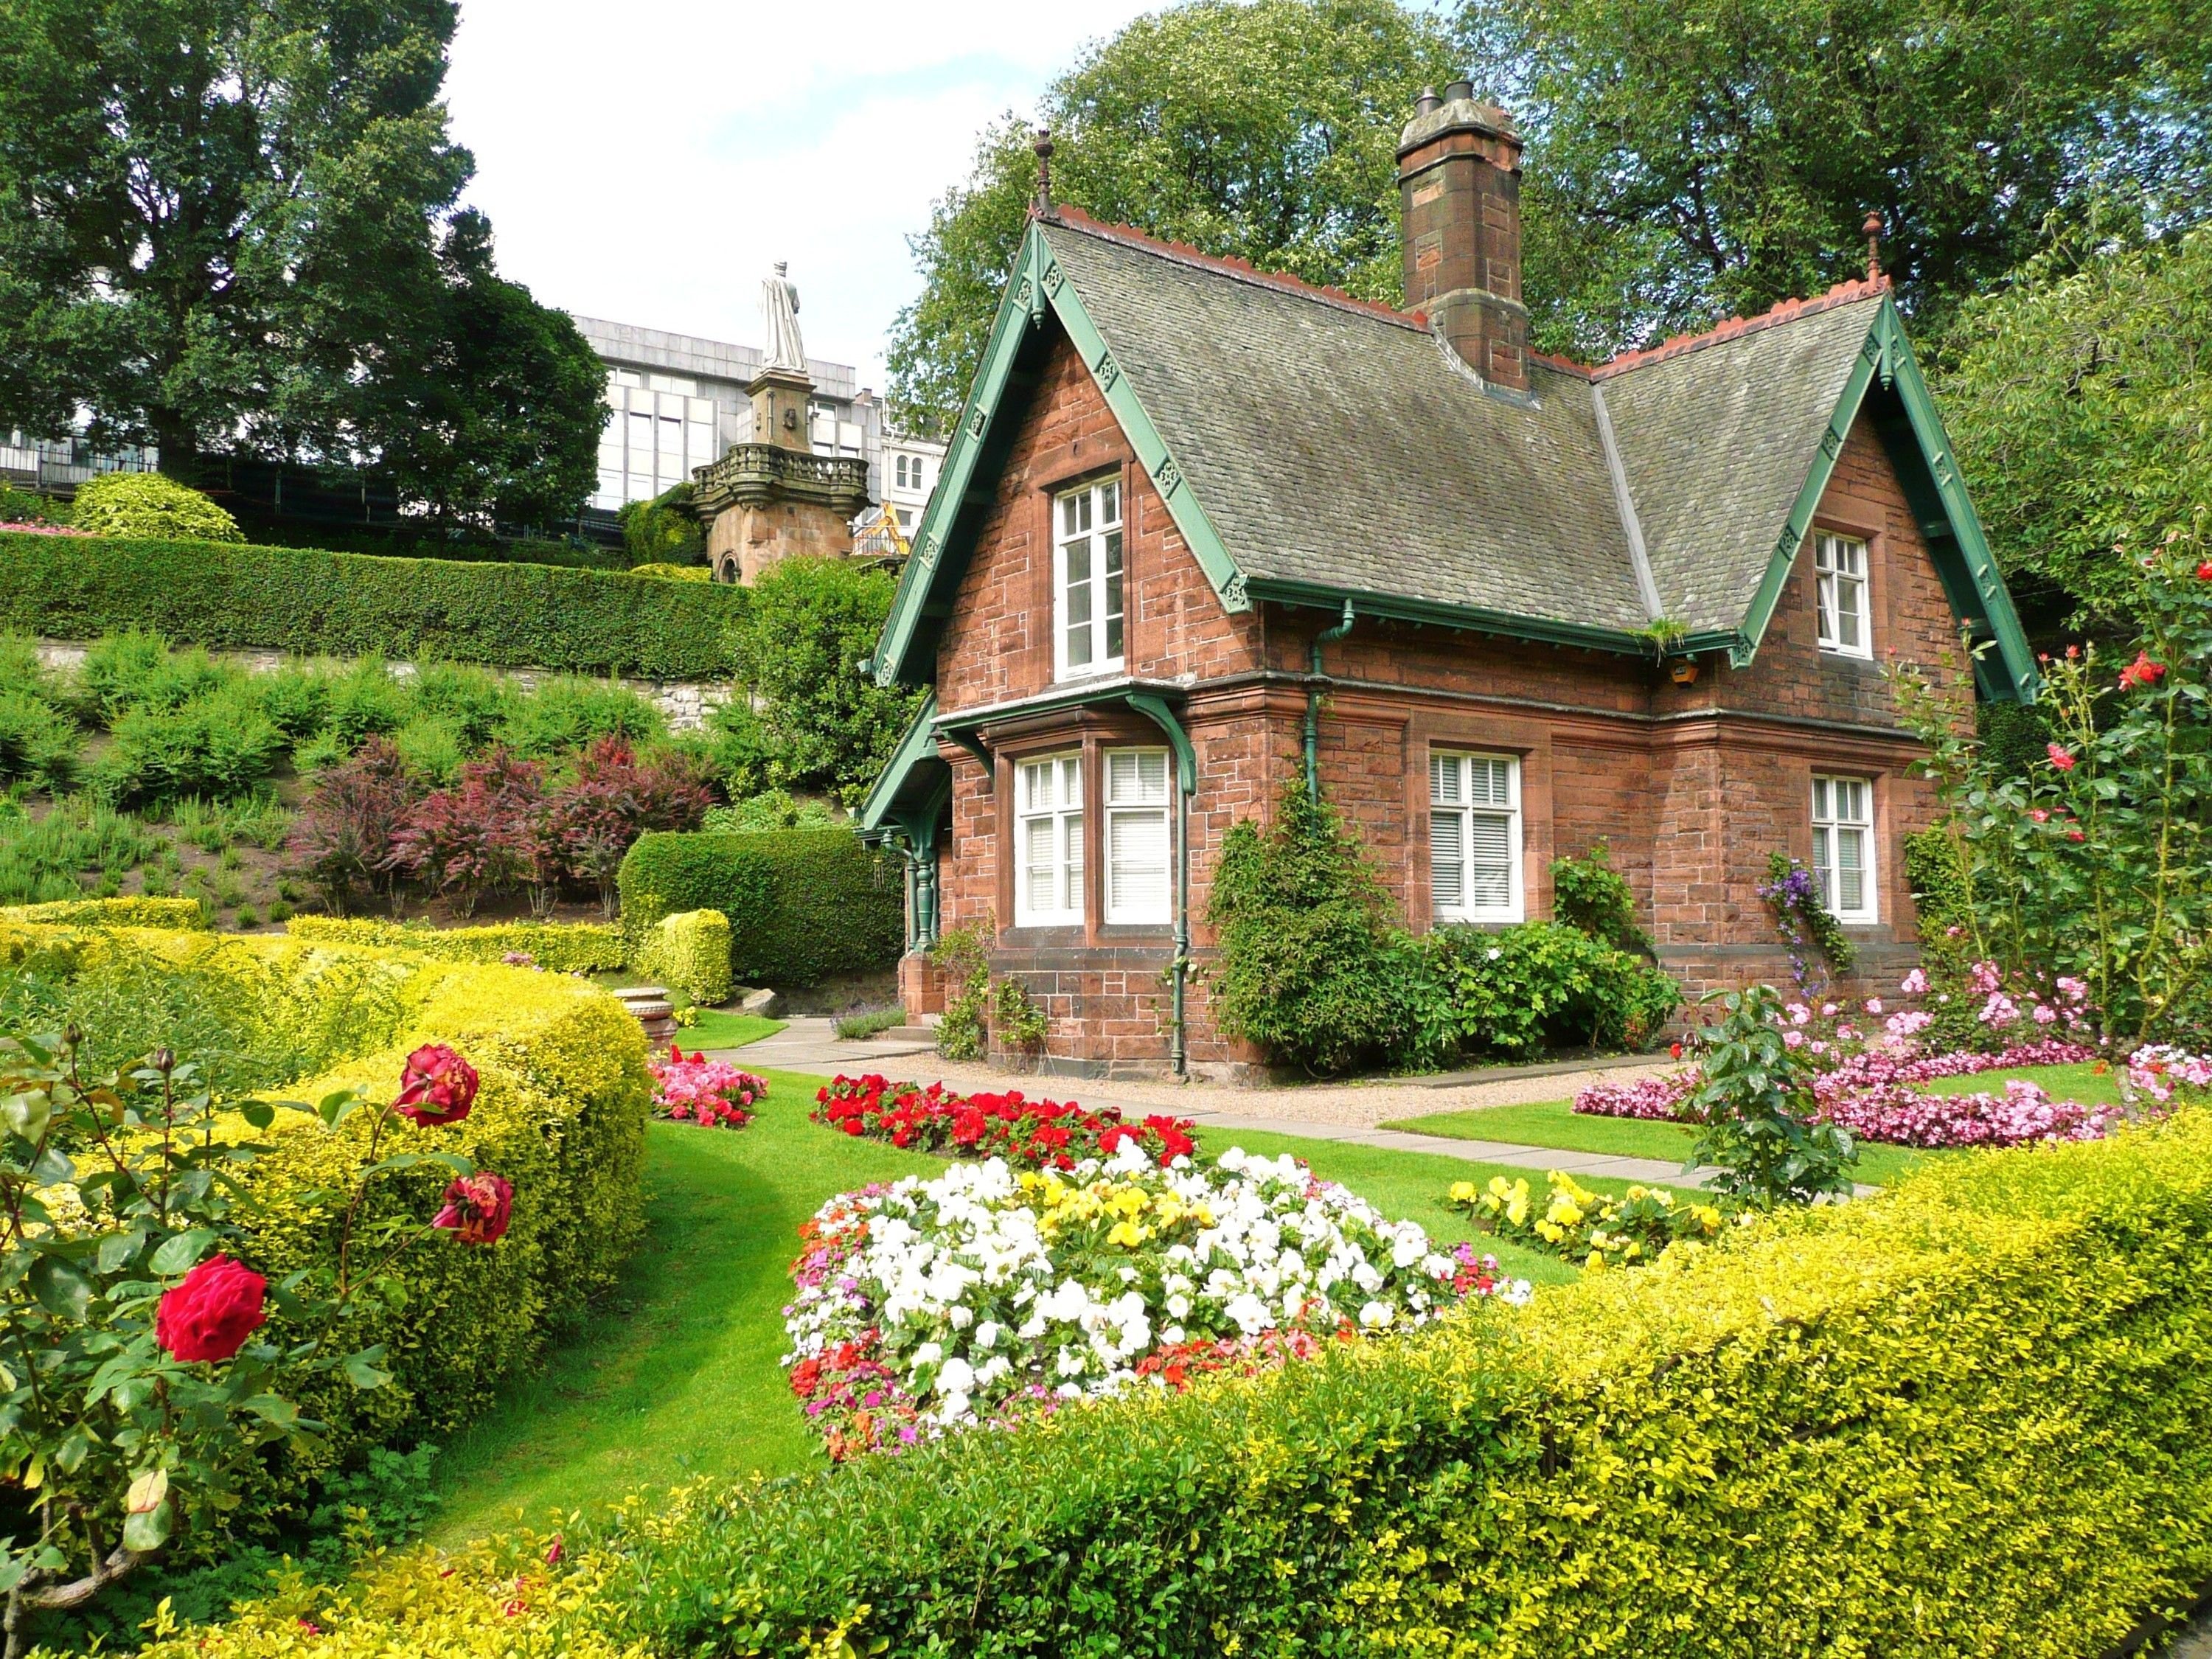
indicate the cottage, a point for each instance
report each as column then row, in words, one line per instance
column 1204, row 531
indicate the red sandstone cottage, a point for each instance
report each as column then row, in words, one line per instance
column 1202, row 528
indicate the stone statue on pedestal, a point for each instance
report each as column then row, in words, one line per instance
column 781, row 347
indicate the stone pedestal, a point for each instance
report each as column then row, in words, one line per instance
column 762, row 503
column 921, row 986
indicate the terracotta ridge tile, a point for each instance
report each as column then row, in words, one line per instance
column 1732, row 328
column 1230, row 265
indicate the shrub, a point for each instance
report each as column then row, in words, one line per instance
column 349, row 604
column 296, row 700
column 472, row 839
column 112, row 913
column 1755, row 1109
column 664, row 530
column 771, row 809
column 218, row 746
column 471, row 702
column 1307, row 969
column 963, row 955
column 592, row 822
column 1591, row 896
column 433, row 750
column 345, row 835
column 804, row 905
column 147, row 506
column 139, row 670
column 366, row 700
column 674, row 572
column 556, row 947
column 561, row 1114
column 688, row 952
column 1538, row 984
column 562, row 715
column 39, row 743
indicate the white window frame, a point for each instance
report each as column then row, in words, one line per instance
column 1139, row 787
column 1842, row 572
column 1453, row 779
column 1844, row 812
column 1048, row 795
column 1096, row 536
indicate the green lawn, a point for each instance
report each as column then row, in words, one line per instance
column 2082, row 1083
column 677, row 1373
column 717, row 1029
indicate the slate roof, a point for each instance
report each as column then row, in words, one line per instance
column 1339, row 445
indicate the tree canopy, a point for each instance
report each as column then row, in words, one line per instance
column 1689, row 159
column 229, row 224
column 2080, row 402
column 1265, row 130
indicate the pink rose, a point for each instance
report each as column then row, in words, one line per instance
column 478, row 1209
column 436, row 1087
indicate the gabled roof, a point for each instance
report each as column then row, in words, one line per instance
column 1312, row 447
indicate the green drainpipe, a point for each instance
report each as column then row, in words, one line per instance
column 1327, row 636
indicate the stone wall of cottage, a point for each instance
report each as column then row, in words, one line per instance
column 1691, row 787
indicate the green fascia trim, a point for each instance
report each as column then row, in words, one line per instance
column 1156, row 710
column 963, row 726
column 917, row 746
column 1545, row 630
column 1888, row 353
column 1035, row 284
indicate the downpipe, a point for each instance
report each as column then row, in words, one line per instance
column 1327, row 636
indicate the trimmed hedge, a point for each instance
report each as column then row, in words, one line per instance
column 186, row 913
column 803, row 904
column 558, row 947
column 1970, row 1416
column 351, row 605
column 560, row 1115
column 690, row 952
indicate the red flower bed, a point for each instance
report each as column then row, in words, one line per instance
column 1040, row 1133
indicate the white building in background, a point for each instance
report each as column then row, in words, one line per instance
column 675, row 401
column 910, row 470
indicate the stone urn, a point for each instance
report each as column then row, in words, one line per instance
column 650, row 1006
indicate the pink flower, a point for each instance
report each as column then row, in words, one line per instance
column 1909, row 1024
column 2076, row 991
column 2059, row 757
column 1799, row 1014
column 2000, row 1011
column 1828, row 1011
column 1915, row 984
column 2039, row 815
column 2045, row 1014
column 478, row 1209
column 1874, row 1004
column 1815, row 1046
column 437, row 1086
column 1984, row 977
column 1794, row 1038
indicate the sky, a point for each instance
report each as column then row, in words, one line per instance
column 647, row 161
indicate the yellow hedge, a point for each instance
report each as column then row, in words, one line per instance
column 689, row 953
column 1970, row 1417
column 558, row 947
column 113, row 913
column 561, row 1114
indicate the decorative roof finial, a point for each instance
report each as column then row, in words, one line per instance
column 1872, row 231
column 1043, row 148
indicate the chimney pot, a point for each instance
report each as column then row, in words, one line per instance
column 1426, row 104
column 1459, row 199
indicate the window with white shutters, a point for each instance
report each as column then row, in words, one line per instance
column 1048, row 842
column 1474, row 837
column 1139, row 836
column 1843, row 847
column 1839, row 575
column 1086, row 582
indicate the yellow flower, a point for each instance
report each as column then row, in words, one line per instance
column 1596, row 1259
column 1127, row 1234
column 1462, row 1192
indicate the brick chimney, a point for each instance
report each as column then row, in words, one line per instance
column 1459, row 195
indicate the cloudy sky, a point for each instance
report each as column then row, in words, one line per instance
column 645, row 162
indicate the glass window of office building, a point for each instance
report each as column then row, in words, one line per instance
column 657, row 430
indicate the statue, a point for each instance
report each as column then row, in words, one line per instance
column 780, row 312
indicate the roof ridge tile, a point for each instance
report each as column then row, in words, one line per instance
column 1230, row 265
column 1732, row 328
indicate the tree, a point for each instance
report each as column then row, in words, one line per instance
column 1265, row 130
column 1693, row 158
column 227, row 223
column 494, row 415
column 820, row 723
column 2080, row 402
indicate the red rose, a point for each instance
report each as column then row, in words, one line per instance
column 477, row 1208
column 2059, row 757
column 2142, row 670
column 2204, row 571
column 214, row 1310
column 437, row 1086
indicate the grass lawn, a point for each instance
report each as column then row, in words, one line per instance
column 1556, row 1123
column 717, row 1029
column 2082, row 1083
column 675, row 1376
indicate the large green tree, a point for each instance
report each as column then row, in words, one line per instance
column 1693, row 158
column 2080, row 402
column 1266, row 130
column 225, row 224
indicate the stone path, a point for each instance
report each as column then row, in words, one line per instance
column 1343, row 1112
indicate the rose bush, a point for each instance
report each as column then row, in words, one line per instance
column 1041, row 1133
column 711, row 1093
column 988, row 1293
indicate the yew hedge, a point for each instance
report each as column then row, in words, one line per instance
column 561, row 1114
column 351, row 604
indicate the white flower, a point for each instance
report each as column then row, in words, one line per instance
column 960, row 1318
column 1250, row 1314
column 927, row 1354
column 1178, row 1305
column 987, row 1334
column 1492, row 954
column 955, row 1408
column 956, row 1376
column 1173, row 1335
column 1376, row 1314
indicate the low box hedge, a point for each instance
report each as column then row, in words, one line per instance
column 558, row 947
column 689, row 953
column 187, row 912
column 1971, row 1416
column 561, row 1114
column 804, row 905
column 351, row 605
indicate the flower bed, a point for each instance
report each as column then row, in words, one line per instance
column 1870, row 1094
column 2162, row 1071
column 1037, row 1133
column 1642, row 1224
column 711, row 1093
column 989, row 1294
